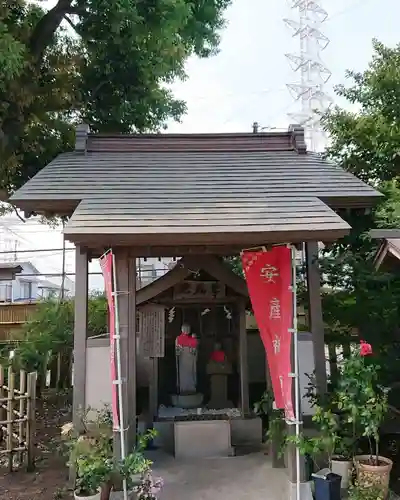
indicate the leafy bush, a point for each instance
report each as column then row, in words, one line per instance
column 49, row 333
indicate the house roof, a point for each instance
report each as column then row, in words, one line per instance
column 49, row 285
column 8, row 270
column 192, row 189
column 20, row 265
column 390, row 246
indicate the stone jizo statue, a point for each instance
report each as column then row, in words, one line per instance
column 186, row 349
column 219, row 368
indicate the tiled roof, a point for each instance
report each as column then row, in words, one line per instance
column 211, row 183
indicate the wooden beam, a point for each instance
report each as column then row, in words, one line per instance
column 315, row 315
column 80, row 334
column 144, row 242
column 383, row 234
column 168, row 280
column 223, row 273
column 243, row 360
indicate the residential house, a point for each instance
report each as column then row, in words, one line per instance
column 28, row 284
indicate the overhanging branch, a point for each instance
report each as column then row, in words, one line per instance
column 47, row 26
column 73, row 26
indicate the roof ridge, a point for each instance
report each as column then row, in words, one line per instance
column 290, row 140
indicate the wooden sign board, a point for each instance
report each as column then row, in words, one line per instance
column 152, row 331
column 206, row 290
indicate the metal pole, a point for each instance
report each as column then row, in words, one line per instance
column 296, row 369
column 119, row 374
column 62, row 291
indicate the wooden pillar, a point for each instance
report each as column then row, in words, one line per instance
column 153, row 391
column 132, row 354
column 315, row 315
column 123, row 296
column 243, row 361
column 80, row 334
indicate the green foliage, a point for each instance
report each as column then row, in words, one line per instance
column 365, row 142
column 49, row 333
column 328, row 441
column 361, row 399
column 107, row 63
column 235, row 263
column 97, row 314
column 357, row 492
column 91, row 472
column 92, row 452
column 355, row 407
column 277, row 431
column 265, row 405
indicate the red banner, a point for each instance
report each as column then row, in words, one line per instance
column 106, row 264
column 269, row 281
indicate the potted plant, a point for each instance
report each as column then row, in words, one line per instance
column 365, row 404
column 357, row 492
column 92, row 471
column 90, row 452
column 342, row 459
column 149, row 487
column 329, row 445
column 132, row 468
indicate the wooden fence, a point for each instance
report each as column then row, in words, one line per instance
column 12, row 318
column 17, row 416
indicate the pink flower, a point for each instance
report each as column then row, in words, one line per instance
column 365, row 348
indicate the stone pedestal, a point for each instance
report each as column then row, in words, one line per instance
column 219, row 373
column 202, row 439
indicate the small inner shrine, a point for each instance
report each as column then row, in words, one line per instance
column 192, row 327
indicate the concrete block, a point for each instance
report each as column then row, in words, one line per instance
column 246, row 431
column 305, row 491
column 165, row 436
column 202, row 439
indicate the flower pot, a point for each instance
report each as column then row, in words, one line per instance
column 119, row 495
column 369, row 475
column 343, row 469
column 96, row 496
column 136, row 479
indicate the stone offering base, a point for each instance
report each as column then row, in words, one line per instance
column 245, row 432
column 202, row 439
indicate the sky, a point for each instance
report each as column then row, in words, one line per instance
column 244, row 83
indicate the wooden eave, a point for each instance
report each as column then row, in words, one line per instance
column 8, row 273
column 183, row 269
column 167, row 245
column 387, row 248
column 66, row 208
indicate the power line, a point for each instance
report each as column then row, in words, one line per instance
column 355, row 6
column 37, row 250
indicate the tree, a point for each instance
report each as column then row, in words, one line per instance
column 105, row 62
column 49, row 334
column 366, row 143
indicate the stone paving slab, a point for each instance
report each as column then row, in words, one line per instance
column 246, row 477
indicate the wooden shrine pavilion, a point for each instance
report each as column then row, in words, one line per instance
column 189, row 195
